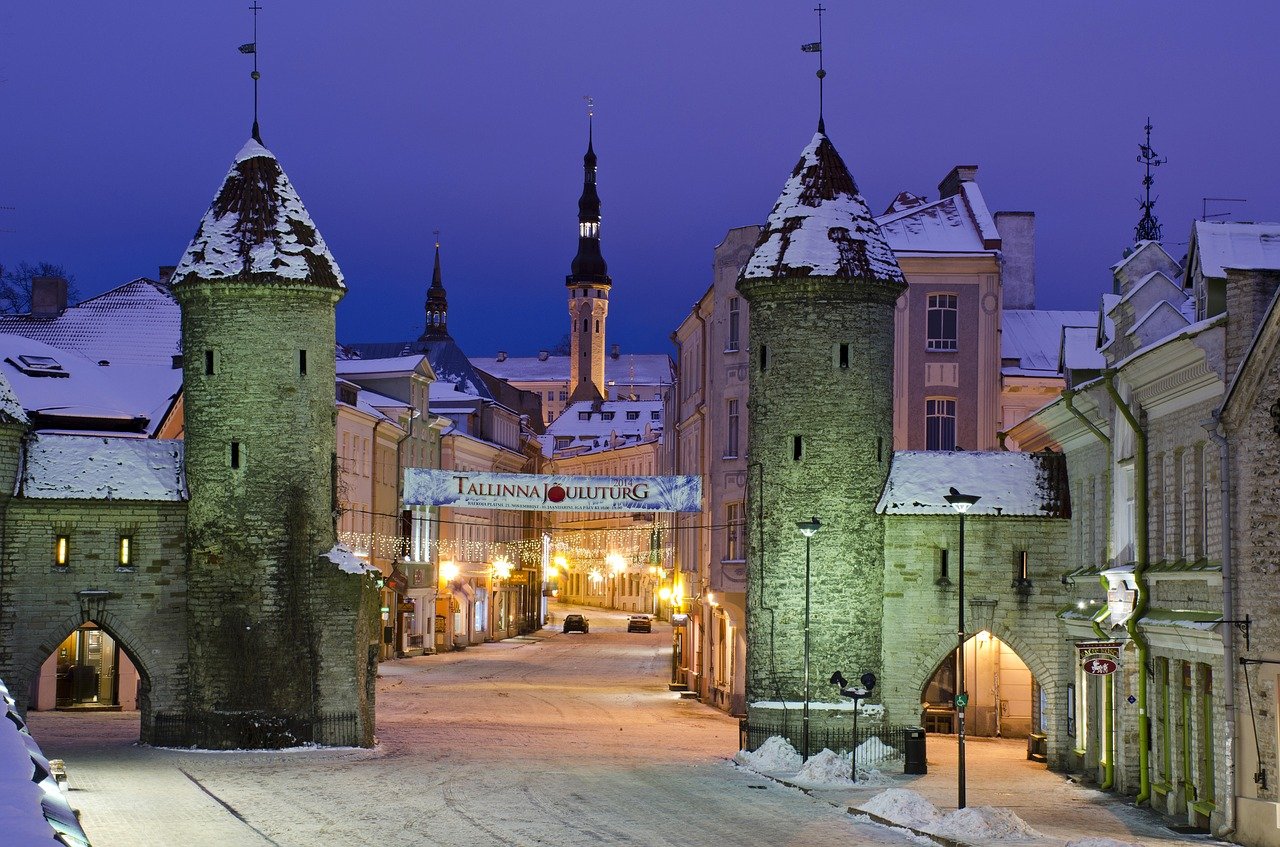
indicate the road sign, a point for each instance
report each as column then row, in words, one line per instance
column 962, row 700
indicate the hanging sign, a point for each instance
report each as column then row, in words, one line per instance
column 552, row 493
column 1099, row 658
column 1099, row 665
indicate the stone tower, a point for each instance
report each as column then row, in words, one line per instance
column 589, row 285
column 822, row 284
column 280, row 639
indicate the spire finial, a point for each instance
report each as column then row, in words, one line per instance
column 252, row 47
column 816, row 47
column 591, row 113
column 436, row 233
column 1148, row 228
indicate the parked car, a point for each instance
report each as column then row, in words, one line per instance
column 575, row 623
column 639, row 623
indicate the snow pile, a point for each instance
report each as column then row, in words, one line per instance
column 821, row 226
column 873, row 751
column 256, row 226
column 346, row 559
column 92, row 467
column 776, row 754
column 1100, row 842
column 828, row 769
column 904, row 806
column 982, row 824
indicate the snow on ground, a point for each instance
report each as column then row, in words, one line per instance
column 1100, row 842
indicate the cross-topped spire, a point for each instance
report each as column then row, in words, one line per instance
column 252, row 48
column 437, row 302
column 816, row 47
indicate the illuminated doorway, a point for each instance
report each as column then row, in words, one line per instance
column 88, row 670
column 1002, row 692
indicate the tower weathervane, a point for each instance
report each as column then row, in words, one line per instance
column 252, row 47
column 1148, row 228
column 816, row 47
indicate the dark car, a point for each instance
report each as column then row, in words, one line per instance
column 639, row 623
column 575, row 623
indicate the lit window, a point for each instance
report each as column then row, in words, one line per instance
column 942, row 322
column 125, row 557
column 62, row 551
column 940, row 424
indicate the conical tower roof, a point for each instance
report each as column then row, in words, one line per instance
column 258, row 231
column 821, row 226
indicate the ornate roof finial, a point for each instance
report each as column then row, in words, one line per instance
column 816, row 47
column 252, row 47
column 589, row 265
column 1148, row 228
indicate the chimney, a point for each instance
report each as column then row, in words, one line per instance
column 615, row 351
column 543, row 355
column 166, row 273
column 1249, row 294
column 1018, row 249
column 950, row 185
column 48, row 296
column 177, row 361
column 502, row 355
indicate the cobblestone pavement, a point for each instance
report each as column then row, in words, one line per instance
column 558, row 739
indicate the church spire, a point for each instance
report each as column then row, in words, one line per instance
column 437, row 302
column 588, row 265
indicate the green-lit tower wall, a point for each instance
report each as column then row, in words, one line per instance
column 819, row 445
column 280, row 639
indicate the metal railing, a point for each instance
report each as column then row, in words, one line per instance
column 251, row 730
column 840, row 739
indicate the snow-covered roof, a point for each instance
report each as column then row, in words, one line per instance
column 1080, row 349
column 1227, row 244
column 91, row 467
column 821, row 226
column 943, row 226
column 1135, row 250
column 393, row 366
column 595, row 432
column 79, row 388
column 450, row 364
column 10, row 408
column 447, row 392
column 646, row 369
column 1008, row 483
column 138, row 323
column 257, row 230
column 1033, row 336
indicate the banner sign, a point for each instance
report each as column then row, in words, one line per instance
column 552, row 493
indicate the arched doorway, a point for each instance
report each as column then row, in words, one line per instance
column 87, row 671
column 1003, row 694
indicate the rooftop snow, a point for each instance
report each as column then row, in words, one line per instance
column 821, row 226
column 1247, row 246
column 10, row 408
column 1032, row 336
column 394, row 366
column 90, row 467
column 1080, row 349
column 1008, row 483
column 138, row 323
column 943, row 226
column 257, row 230
column 111, row 393
column 646, row 369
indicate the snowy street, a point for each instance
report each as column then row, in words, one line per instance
column 569, row 739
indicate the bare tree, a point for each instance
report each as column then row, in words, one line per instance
column 15, row 285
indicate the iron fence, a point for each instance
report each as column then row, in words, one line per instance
column 250, row 730
column 892, row 738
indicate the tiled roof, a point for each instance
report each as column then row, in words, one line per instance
column 138, row 323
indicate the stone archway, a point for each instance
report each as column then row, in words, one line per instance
column 1003, row 691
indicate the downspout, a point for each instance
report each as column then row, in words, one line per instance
column 1109, row 688
column 702, row 654
column 1214, row 428
column 1139, row 583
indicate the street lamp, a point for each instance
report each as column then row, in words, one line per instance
column 961, row 503
column 808, row 529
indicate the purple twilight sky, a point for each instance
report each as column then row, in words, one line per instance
column 398, row 117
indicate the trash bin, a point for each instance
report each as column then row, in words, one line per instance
column 914, row 753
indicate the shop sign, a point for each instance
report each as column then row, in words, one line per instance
column 408, row 607
column 1099, row 658
column 519, row 578
column 552, row 492
column 1099, row 665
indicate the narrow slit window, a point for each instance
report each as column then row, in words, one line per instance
column 844, row 356
column 125, row 552
column 879, row 450
column 208, row 363
column 1021, row 568
column 302, row 362
column 764, row 357
column 797, row 448
column 235, row 455
column 62, row 551
column 944, row 566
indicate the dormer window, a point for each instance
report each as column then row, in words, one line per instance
column 584, row 416
column 633, row 416
column 39, row 366
column 606, row 416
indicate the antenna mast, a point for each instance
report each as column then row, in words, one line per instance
column 1148, row 228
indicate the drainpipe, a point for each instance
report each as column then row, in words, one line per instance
column 1109, row 687
column 1108, row 705
column 1214, row 428
column 1139, row 582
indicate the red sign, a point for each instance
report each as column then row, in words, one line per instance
column 1099, row 665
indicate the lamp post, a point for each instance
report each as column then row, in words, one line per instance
column 961, row 503
column 808, row 529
